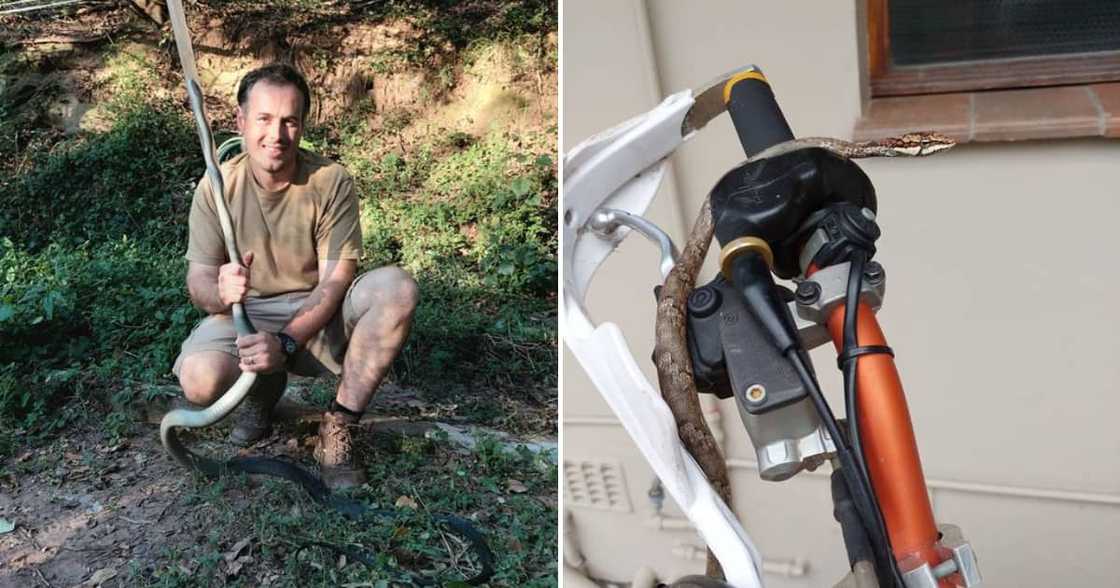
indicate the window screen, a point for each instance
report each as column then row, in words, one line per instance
column 924, row 32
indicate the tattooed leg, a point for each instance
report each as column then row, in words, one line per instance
column 385, row 299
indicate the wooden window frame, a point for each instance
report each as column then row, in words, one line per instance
column 1020, row 72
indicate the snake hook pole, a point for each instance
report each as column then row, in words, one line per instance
column 236, row 393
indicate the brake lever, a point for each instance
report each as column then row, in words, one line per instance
column 621, row 169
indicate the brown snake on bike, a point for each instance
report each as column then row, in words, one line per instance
column 674, row 364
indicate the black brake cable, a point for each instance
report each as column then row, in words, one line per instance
column 752, row 274
column 854, row 475
column 848, row 361
column 857, row 484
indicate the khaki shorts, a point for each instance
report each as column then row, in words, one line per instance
column 323, row 353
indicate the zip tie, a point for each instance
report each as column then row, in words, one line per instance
column 851, row 354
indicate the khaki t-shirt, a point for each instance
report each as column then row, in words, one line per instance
column 314, row 218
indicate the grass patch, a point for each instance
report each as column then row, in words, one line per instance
column 508, row 495
column 473, row 218
column 133, row 181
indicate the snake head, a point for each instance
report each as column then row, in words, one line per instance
column 919, row 144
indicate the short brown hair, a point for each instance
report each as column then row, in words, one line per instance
column 279, row 74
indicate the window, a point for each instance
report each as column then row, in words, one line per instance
column 924, row 46
column 993, row 70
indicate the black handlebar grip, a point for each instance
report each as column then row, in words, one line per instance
column 755, row 112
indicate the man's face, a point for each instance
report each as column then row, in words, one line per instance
column 271, row 124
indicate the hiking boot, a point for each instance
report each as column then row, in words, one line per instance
column 335, row 453
column 252, row 420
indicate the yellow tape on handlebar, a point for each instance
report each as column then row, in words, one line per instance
column 750, row 74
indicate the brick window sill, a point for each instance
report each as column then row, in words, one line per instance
column 1005, row 115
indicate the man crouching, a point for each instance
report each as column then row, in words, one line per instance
column 295, row 217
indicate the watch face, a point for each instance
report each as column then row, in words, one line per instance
column 288, row 343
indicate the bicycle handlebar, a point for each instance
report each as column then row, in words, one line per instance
column 754, row 111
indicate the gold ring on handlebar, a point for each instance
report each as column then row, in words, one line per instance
column 740, row 246
column 750, row 74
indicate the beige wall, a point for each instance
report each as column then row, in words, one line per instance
column 1000, row 304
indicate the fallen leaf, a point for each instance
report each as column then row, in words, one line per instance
column 25, row 457
column 114, row 448
column 6, row 526
column 234, row 567
column 406, row 502
column 516, row 486
column 101, row 576
column 341, row 561
column 237, row 549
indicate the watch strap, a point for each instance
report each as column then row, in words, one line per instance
column 288, row 345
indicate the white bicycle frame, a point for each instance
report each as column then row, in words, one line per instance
column 620, row 170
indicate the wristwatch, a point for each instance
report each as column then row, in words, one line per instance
column 287, row 345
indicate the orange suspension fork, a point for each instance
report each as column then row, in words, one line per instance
column 889, row 445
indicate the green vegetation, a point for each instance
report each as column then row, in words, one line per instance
column 450, row 27
column 91, row 275
column 93, row 230
column 446, row 27
column 475, row 222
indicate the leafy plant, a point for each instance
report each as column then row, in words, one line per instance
column 134, row 181
column 477, row 228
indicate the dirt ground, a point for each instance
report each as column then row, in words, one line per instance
column 87, row 507
column 91, row 512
